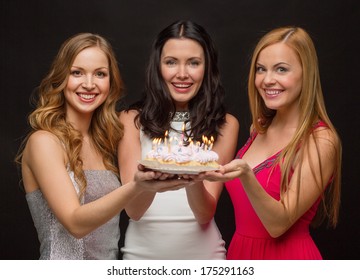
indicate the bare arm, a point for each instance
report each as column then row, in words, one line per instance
column 277, row 216
column 204, row 195
column 50, row 175
column 129, row 153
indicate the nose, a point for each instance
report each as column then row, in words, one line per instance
column 182, row 72
column 269, row 78
column 88, row 82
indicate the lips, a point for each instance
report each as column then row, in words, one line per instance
column 273, row 92
column 182, row 85
column 87, row 97
column 182, row 88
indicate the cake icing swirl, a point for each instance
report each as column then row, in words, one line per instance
column 183, row 155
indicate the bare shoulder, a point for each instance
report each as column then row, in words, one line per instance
column 325, row 142
column 43, row 152
column 43, row 143
column 128, row 116
column 231, row 119
column 43, row 138
column 131, row 129
column 326, row 136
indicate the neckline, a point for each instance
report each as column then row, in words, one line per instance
column 272, row 158
column 181, row 116
column 263, row 163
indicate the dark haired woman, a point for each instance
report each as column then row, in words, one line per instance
column 182, row 86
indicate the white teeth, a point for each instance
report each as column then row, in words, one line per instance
column 182, row 85
column 86, row 96
column 273, row 92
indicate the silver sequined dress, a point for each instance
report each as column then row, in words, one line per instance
column 57, row 243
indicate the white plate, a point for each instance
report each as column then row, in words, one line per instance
column 176, row 169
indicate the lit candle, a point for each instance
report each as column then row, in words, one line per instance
column 159, row 144
column 154, row 144
column 205, row 142
column 191, row 141
column 211, row 143
column 169, row 144
column 197, row 146
column 166, row 137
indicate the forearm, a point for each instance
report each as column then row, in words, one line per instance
column 90, row 216
column 138, row 205
column 201, row 202
column 270, row 211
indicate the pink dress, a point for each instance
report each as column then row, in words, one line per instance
column 251, row 240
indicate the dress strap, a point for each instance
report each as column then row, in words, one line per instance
column 247, row 144
column 319, row 123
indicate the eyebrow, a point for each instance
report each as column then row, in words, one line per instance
column 277, row 64
column 102, row 67
column 173, row 57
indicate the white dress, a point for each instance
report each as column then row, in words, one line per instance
column 168, row 229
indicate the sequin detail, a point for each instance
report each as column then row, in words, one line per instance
column 181, row 117
column 57, row 243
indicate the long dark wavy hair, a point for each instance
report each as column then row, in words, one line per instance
column 156, row 108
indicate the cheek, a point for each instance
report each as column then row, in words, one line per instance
column 71, row 84
column 257, row 82
column 296, row 84
column 198, row 75
column 167, row 73
column 104, row 85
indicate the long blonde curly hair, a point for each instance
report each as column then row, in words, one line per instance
column 312, row 110
column 50, row 115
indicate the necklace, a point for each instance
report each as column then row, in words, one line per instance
column 181, row 116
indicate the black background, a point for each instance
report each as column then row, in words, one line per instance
column 31, row 34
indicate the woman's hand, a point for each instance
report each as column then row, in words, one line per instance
column 154, row 181
column 237, row 168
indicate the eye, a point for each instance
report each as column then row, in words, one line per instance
column 260, row 69
column 194, row 63
column 101, row 74
column 281, row 69
column 76, row 73
column 170, row 62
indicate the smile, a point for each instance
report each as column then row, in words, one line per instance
column 182, row 85
column 87, row 97
column 273, row 91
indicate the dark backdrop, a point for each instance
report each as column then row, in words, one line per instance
column 32, row 31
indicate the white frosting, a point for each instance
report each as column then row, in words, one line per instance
column 182, row 154
column 204, row 156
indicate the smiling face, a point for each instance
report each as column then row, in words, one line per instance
column 88, row 84
column 278, row 77
column 182, row 68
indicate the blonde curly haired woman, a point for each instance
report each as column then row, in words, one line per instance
column 68, row 161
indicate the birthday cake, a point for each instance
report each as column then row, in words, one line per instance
column 192, row 155
column 176, row 156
